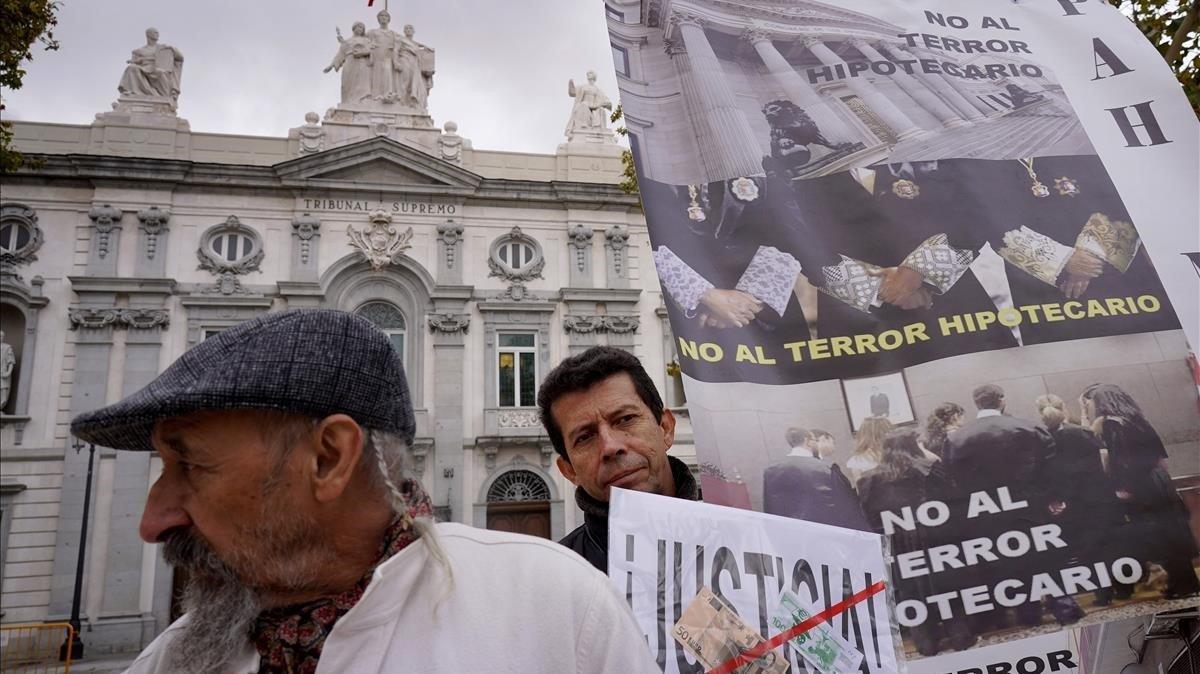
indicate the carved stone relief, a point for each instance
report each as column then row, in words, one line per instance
column 105, row 219
column 449, row 323
column 153, row 222
column 380, row 243
column 226, row 269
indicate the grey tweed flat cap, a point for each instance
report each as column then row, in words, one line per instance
column 311, row 361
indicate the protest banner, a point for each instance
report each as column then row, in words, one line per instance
column 716, row 581
column 949, row 247
column 1045, row 654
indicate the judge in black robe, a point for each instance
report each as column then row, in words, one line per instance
column 901, row 215
column 1040, row 211
column 710, row 241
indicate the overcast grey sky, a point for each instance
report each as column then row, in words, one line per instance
column 254, row 67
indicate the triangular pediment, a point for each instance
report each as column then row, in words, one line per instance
column 380, row 162
column 807, row 13
column 379, row 170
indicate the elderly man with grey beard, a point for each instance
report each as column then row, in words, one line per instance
column 283, row 496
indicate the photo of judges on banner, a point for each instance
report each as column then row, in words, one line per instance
column 927, row 266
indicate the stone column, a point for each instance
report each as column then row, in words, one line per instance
column 738, row 152
column 798, row 90
column 925, row 98
column 93, row 325
column 949, row 87
column 448, row 323
column 579, row 245
column 705, row 140
column 893, row 116
column 123, row 570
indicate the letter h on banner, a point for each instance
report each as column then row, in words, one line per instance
column 1148, row 121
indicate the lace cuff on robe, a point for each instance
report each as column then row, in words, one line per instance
column 1114, row 241
column 1037, row 254
column 940, row 263
column 853, row 282
column 771, row 277
column 684, row 284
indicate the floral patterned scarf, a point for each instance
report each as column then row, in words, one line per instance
column 290, row 639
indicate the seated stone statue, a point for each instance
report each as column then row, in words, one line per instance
column 589, row 115
column 154, row 70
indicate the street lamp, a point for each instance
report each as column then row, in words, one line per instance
column 74, row 646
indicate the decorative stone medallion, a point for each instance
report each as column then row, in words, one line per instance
column 380, row 243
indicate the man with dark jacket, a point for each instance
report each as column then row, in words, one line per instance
column 997, row 450
column 805, row 487
column 610, row 429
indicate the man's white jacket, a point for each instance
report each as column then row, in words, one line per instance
column 517, row 604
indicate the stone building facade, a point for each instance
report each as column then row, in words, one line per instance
column 137, row 238
column 695, row 76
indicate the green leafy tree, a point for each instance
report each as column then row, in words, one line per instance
column 1171, row 26
column 22, row 24
column 629, row 175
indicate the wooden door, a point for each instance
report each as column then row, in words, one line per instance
column 520, row 517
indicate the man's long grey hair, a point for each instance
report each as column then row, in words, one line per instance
column 387, row 450
column 220, row 608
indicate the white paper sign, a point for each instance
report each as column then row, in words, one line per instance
column 662, row 550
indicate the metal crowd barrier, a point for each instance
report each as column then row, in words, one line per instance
column 35, row 647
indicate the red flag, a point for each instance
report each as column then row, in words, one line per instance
column 370, row 2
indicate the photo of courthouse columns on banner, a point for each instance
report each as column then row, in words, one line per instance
column 925, row 268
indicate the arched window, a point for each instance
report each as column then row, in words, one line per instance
column 388, row 318
column 518, row 485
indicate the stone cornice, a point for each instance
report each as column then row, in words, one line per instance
column 731, row 16
column 815, row 15
column 161, row 287
column 600, row 294
column 300, row 289
column 452, row 292
column 150, row 171
column 614, row 323
column 535, row 304
column 93, row 318
column 198, row 300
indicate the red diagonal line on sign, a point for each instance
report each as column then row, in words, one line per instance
column 751, row 654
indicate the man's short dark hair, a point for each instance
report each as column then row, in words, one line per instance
column 797, row 436
column 819, row 433
column 988, row 397
column 581, row 372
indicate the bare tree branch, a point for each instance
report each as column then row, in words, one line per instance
column 1185, row 28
